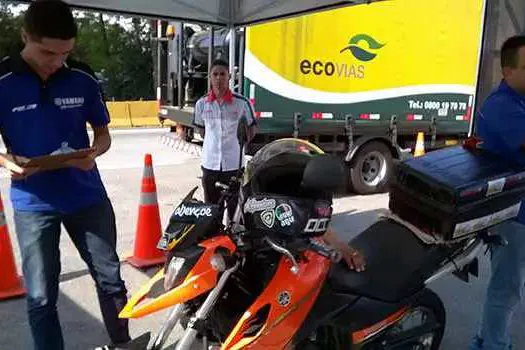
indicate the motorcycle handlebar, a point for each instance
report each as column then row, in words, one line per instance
column 226, row 187
column 328, row 252
column 222, row 186
column 280, row 249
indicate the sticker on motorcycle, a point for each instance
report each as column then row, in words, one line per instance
column 252, row 205
column 196, row 212
column 284, row 298
column 316, row 225
column 284, row 214
column 324, row 212
column 163, row 243
column 268, row 218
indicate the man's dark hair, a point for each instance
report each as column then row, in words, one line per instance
column 510, row 49
column 219, row 62
column 50, row 19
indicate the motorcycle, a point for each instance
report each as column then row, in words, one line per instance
column 232, row 288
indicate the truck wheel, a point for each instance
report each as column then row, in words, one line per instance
column 370, row 169
column 188, row 134
column 184, row 133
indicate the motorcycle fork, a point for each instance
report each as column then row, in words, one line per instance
column 174, row 316
column 196, row 323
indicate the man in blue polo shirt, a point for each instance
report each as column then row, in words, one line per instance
column 501, row 126
column 45, row 102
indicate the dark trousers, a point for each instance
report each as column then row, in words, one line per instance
column 93, row 231
column 212, row 194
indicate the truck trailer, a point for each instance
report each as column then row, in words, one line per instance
column 360, row 82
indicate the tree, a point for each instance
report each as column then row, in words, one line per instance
column 10, row 41
column 121, row 56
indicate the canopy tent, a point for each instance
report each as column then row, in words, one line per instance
column 230, row 13
column 503, row 18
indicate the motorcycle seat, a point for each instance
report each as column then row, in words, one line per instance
column 397, row 263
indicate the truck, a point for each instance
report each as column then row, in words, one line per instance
column 360, row 82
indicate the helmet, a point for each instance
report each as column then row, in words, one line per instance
column 281, row 195
column 278, row 167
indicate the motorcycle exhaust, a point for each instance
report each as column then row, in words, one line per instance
column 470, row 253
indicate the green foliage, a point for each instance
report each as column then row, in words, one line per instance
column 121, row 56
column 10, row 41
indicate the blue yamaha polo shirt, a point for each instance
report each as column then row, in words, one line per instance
column 37, row 117
column 501, row 126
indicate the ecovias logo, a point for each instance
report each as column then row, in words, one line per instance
column 342, row 68
column 359, row 53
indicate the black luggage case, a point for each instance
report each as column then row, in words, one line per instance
column 454, row 192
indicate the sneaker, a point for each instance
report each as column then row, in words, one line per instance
column 124, row 346
column 477, row 344
column 138, row 343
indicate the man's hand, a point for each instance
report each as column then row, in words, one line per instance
column 201, row 131
column 250, row 132
column 86, row 163
column 18, row 172
column 101, row 143
column 354, row 259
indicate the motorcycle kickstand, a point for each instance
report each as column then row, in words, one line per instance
column 168, row 326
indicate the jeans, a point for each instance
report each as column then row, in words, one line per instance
column 93, row 231
column 505, row 288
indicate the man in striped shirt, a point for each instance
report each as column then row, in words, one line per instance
column 216, row 117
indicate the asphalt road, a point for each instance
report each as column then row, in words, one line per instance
column 176, row 173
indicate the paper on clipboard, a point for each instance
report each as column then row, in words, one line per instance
column 51, row 162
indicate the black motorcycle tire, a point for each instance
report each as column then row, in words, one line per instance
column 429, row 301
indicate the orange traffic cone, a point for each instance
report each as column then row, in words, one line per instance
column 10, row 283
column 148, row 231
column 420, row 145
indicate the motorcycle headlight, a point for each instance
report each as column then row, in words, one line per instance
column 218, row 263
column 172, row 272
column 179, row 264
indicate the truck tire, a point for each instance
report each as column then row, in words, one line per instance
column 185, row 133
column 189, row 134
column 371, row 168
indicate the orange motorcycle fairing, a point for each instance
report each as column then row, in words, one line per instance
column 362, row 335
column 276, row 315
column 200, row 279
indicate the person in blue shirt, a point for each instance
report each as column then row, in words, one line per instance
column 501, row 127
column 46, row 99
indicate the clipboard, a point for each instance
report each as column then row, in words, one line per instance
column 51, row 162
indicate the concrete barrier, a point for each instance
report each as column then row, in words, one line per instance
column 143, row 113
column 133, row 113
column 119, row 114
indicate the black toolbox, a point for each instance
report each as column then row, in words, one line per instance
column 456, row 191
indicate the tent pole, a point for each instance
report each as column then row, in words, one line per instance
column 211, row 54
column 242, row 37
column 232, row 57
